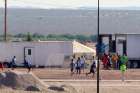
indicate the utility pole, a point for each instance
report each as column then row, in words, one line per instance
column 98, row 48
column 5, row 21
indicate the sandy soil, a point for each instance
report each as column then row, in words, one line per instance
column 60, row 73
column 90, row 87
column 105, row 87
column 89, row 90
column 87, row 84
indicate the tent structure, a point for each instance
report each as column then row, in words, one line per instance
column 80, row 48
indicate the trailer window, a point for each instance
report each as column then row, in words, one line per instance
column 29, row 52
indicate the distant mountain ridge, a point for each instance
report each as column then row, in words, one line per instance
column 110, row 8
column 70, row 21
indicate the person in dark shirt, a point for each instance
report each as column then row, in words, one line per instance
column 78, row 66
column 72, row 66
column 92, row 68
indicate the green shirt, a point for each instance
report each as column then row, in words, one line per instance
column 123, row 68
column 124, row 59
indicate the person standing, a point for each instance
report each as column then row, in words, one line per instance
column 110, row 61
column 82, row 60
column 13, row 63
column 114, row 61
column 28, row 64
column 123, row 66
column 1, row 66
column 74, row 61
column 78, row 66
column 119, row 62
column 72, row 66
column 105, row 61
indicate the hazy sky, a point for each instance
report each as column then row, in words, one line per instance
column 70, row 3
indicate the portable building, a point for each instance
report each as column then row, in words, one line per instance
column 42, row 53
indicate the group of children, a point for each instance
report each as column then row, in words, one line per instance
column 77, row 65
column 113, row 61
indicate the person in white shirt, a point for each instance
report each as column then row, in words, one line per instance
column 13, row 63
column 82, row 60
column 28, row 63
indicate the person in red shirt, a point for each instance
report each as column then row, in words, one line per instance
column 105, row 61
column 1, row 66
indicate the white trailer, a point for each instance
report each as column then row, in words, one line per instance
column 45, row 53
column 50, row 53
column 124, row 44
column 133, row 46
column 129, row 43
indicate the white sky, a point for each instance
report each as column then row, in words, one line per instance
column 70, row 3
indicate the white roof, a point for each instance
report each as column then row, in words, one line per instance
column 80, row 48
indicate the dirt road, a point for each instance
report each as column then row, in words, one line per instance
column 60, row 73
column 108, row 86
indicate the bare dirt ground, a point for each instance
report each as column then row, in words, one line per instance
column 110, row 80
column 105, row 86
column 90, row 87
column 60, row 73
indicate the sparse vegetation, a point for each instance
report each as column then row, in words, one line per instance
column 29, row 37
column 52, row 37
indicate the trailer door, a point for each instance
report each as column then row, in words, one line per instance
column 29, row 54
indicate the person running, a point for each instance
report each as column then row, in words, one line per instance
column 78, row 66
column 123, row 66
column 92, row 68
column 72, row 66
column 13, row 63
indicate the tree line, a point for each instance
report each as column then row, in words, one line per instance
column 63, row 37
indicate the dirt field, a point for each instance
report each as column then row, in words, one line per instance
column 105, row 86
column 110, row 81
column 90, row 87
column 59, row 73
